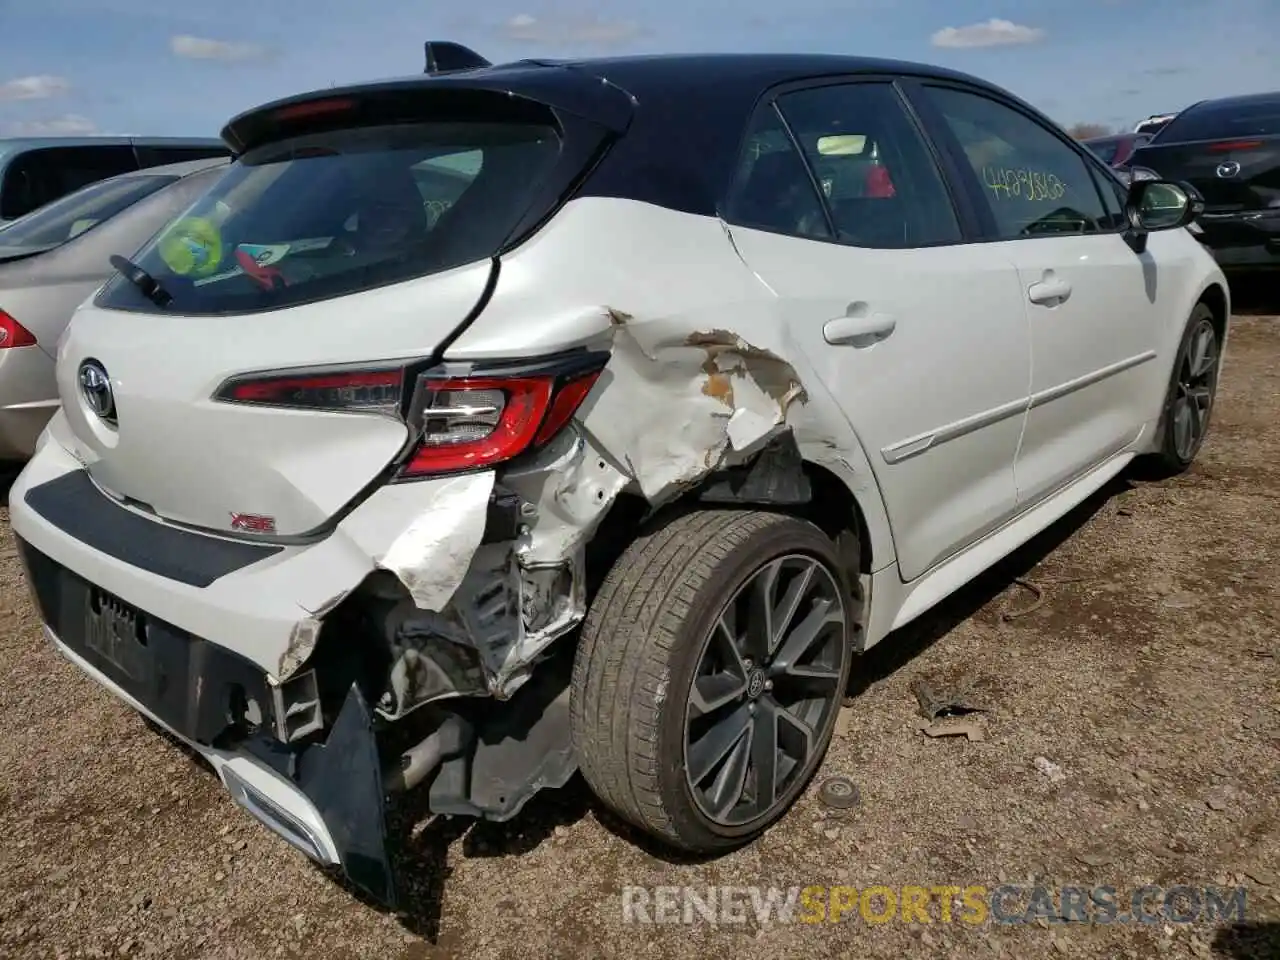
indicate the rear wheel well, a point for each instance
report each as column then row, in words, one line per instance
column 832, row 508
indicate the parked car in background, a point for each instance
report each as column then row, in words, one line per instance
column 1115, row 150
column 1229, row 150
column 1154, row 123
column 52, row 259
column 37, row 171
column 467, row 434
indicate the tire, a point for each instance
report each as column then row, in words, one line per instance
column 643, row 642
column 1173, row 454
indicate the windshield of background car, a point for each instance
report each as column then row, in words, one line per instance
column 332, row 213
column 68, row 217
column 1214, row 122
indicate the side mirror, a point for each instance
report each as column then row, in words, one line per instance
column 1161, row 205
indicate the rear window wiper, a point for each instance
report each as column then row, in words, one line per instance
column 144, row 281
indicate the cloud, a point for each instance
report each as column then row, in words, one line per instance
column 67, row 125
column 34, row 88
column 525, row 28
column 993, row 33
column 201, row 48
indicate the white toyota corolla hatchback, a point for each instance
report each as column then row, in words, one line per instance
column 506, row 421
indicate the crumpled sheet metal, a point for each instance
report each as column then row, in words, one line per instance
column 431, row 557
column 671, row 407
column 680, row 405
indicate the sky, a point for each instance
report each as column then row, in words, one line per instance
column 150, row 67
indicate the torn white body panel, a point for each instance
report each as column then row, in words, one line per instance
column 255, row 611
column 432, row 554
column 704, row 370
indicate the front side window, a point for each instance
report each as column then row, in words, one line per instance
column 1033, row 182
column 67, row 218
column 328, row 214
column 876, row 173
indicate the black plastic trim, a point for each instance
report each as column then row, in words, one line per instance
column 75, row 505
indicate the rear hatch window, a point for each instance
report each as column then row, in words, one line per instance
column 332, row 213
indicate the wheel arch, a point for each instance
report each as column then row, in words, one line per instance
column 1218, row 300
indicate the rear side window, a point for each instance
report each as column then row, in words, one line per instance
column 1033, row 182
column 772, row 189
column 69, row 217
column 1212, row 121
column 876, row 174
column 332, row 213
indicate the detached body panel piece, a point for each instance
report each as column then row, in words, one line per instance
column 497, row 423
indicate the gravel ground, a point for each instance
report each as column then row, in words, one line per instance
column 1132, row 735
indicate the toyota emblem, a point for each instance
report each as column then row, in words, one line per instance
column 95, row 387
column 1228, row 168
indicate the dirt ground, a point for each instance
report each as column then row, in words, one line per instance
column 1148, row 681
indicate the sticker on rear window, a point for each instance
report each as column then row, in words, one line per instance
column 267, row 254
column 192, row 247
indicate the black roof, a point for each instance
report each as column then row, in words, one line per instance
column 684, row 114
column 574, row 85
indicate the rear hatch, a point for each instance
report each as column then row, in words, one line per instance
column 1229, row 152
column 345, row 246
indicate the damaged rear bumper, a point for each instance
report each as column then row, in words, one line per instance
column 315, row 677
column 328, row 795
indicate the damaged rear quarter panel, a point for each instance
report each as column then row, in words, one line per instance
column 703, row 371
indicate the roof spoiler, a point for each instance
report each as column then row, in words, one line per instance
column 446, row 57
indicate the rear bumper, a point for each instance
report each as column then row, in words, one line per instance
column 220, row 642
column 248, row 599
column 325, row 799
column 1249, row 240
column 28, row 398
column 251, row 783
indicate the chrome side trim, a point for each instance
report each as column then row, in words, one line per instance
column 1089, row 379
column 914, row 446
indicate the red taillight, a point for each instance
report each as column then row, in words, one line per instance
column 568, row 398
column 373, row 391
column 14, row 334
column 1235, row 145
column 474, row 422
column 462, row 422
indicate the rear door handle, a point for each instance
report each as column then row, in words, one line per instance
column 859, row 327
column 1051, row 289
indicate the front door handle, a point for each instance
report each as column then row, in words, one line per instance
column 1051, row 289
column 859, row 327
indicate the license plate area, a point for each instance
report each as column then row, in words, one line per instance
column 116, row 633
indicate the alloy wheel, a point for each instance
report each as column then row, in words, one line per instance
column 764, row 689
column 1194, row 391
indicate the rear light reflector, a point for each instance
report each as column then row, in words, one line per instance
column 372, row 391
column 1235, row 145
column 14, row 334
